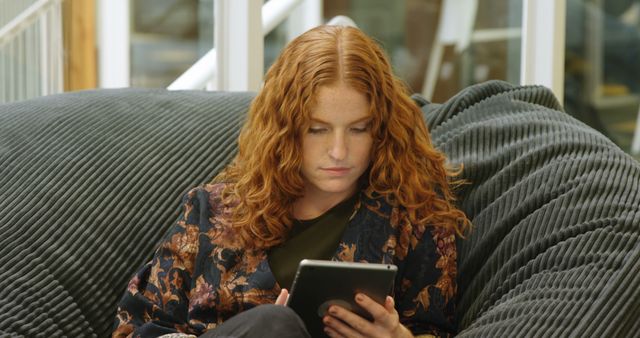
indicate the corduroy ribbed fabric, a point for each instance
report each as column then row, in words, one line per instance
column 555, row 248
column 90, row 181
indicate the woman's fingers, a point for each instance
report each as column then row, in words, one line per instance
column 382, row 314
column 348, row 323
column 331, row 332
column 282, row 297
column 343, row 323
column 389, row 304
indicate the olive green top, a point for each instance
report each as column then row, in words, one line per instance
column 316, row 238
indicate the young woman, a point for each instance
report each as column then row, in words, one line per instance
column 334, row 162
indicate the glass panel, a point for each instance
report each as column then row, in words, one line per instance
column 407, row 30
column 274, row 42
column 602, row 66
column 9, row 9
column 167, row 37
column 22, row 71
column 166, row 40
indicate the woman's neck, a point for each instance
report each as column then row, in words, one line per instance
column 312, row 205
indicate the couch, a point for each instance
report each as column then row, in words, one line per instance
column 90, row 182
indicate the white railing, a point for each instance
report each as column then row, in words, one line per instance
column 9, row 9
column 204, row 73
column 31, row 49
column 543, row 37
column 113, row 32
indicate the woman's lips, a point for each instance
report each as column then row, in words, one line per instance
column 336, row 171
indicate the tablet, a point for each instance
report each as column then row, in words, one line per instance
column 320, row 284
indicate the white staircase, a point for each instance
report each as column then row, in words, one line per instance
column 31, row 49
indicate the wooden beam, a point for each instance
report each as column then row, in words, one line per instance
column 79, row 44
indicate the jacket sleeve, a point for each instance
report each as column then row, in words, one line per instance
column 426, row 292
column 156, row 301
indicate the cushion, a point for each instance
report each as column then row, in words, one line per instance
column 89, row 182
column 554, row 250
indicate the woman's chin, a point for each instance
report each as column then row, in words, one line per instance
column 338, row 189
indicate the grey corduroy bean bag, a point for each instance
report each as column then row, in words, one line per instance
column 556, row 207
column 90, row 181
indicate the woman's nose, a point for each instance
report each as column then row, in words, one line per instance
column 338, row 148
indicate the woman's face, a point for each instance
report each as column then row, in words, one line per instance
column 337, row 145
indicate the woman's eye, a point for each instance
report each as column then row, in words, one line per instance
column 317, row 130
column 362, row 129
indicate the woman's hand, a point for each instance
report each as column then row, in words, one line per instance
column 282, row 297
column 340, row 322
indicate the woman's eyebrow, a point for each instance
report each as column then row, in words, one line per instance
column 313, row 119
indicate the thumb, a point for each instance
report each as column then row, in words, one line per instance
column 389, row 304
column 282, row 297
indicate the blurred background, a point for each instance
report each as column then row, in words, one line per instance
column 60, row 48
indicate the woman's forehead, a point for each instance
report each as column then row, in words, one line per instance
column 339, row 100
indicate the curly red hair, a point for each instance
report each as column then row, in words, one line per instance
column 266, row 174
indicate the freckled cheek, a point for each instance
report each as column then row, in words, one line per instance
column 312, row 156
column 363, row 151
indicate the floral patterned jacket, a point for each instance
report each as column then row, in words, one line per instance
column 200, row 275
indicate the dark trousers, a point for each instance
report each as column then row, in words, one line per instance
column 262, row 321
